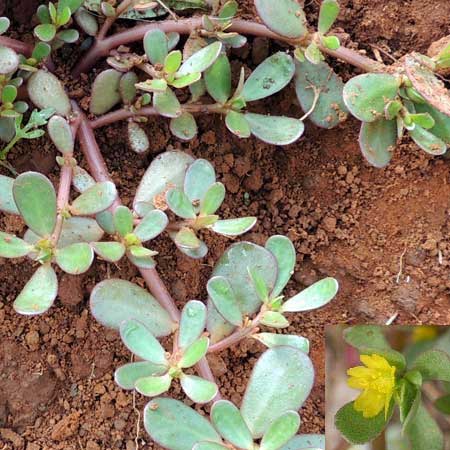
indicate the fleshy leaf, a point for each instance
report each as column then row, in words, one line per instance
column 195, row 253
column 259, row 284
column 127, row 87
column 127, row 375
column 237, row 124
column 12, row 246
column 270, row 393
column 284, row 251
column 9, row 60
column 280, row 431
column 166, row 103
column 137, row 138
column 275, row 340
column 180, row 204
column 218, row 79
column 204, row 445
column 143, row 262
column 113, row 301
column 227, row 419
column 442, row 404
column 329, row 10
column 7, row 203
column 357, row 429
column 423, row 432
column 35, row 199
column 81, row 179
column 433, row 365
column 86, row 21
column 313, row 297
column 156, row 46
column 95, row 199
column 109, row 251
column 272, row 75
column 194, row 353
column 106, row 221
column 441, row 127
column 152, row 386
column 123, row 220
column 222, row 295
column 198, row 389
column 46, row 91
column 212, row 199
column 140, row 341
column 152, row 224
column 428, row 141
column 234, row 227
column 39, row 293
column 276, row 130
column 199, row 177
column 201, row 60
column 305, row 441
column 367, row 95
column 184, row 126
column 174, row 425
column 61, row 134
column 105, row 91
column 192, row 323
column 285, row 17
column 76, row 258
column 45, row 32
column 361, row 336
column 330, row 108
column 274, row 319
column 377, row 141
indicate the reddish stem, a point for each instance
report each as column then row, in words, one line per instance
column 17, row 46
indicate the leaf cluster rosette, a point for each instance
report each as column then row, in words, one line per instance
column 361, row 423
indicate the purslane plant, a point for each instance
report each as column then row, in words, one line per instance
column 389, row 380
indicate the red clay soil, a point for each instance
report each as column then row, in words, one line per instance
column 382, row 233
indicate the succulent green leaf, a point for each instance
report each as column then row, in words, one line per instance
column 184, row 127
column 137, row 138
column 274, row 319
column 192, row 323
column 237, row 123
column 428, row 141
column 272, row 75
column 218, row 79
column 39, row 293
column 143, row 262
column 43, row 14
column 76, row 258
column 166, row 170
column 409, row 401
column 194, row 353
column 195, row 253
column 234, row 227
column 441, row 127
column 423, row 432
column 127, row 375
column 81, row 179
column 35, row 199
column 172, row 38
column 222, row 295
column 156, row 46
column 172, row 62
column 7, row 129
column 123, row 220
column 212, row 199
column 95, row 199
column 330, row 108
column 154, row 85
column 357, row 429
column 153, row 224
column 9, row 60
column 127, row 87
column 377, row 141
column 113, row 301
column 362, row 336
column 276, row 130
column 180, row 204
column 270, row 393
column 105, row 219
column 4, row 24
column 285, row 17
column 442, row 404
column 201, row 60
column 86, row 21
column 422, row 119
column 46, row 91
column 433, row 365
column 174, row 425
column 313, row 297
column 284, row 251
column 197, row 90
column 153, row 385
column 280, row 431
column 259, row 284
column 305, row 441
column 109, row 251
column 9, row 93
column 7, row 203
column 204, row 445
column 45, row 32
column 105, row 91
column 166, row 103
column 140, row 341
column 139, row 251
column 228, row 420
column 329, row 11
column 12, row 246
column 186, row 80
column 275, row 340
column 61, row 134
column 199, row 177
column 367, row 95
column 198, row 389
column 68, row 36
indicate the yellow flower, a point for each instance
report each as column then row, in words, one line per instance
column 424, row 333
column 377, row 381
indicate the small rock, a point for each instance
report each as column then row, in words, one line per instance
column 329, row 223
column 217, row 364
column 32, row 340
column 92, row 445
column 120, row 424
column 13, row 437
column 66, row 427
column 342, row 170
column 31, row 446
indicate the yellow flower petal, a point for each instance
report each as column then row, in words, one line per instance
column 370, row 403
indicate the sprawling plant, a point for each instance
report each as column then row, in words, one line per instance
column 391, row 380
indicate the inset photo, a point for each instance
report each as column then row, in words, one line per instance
column 387, row 387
